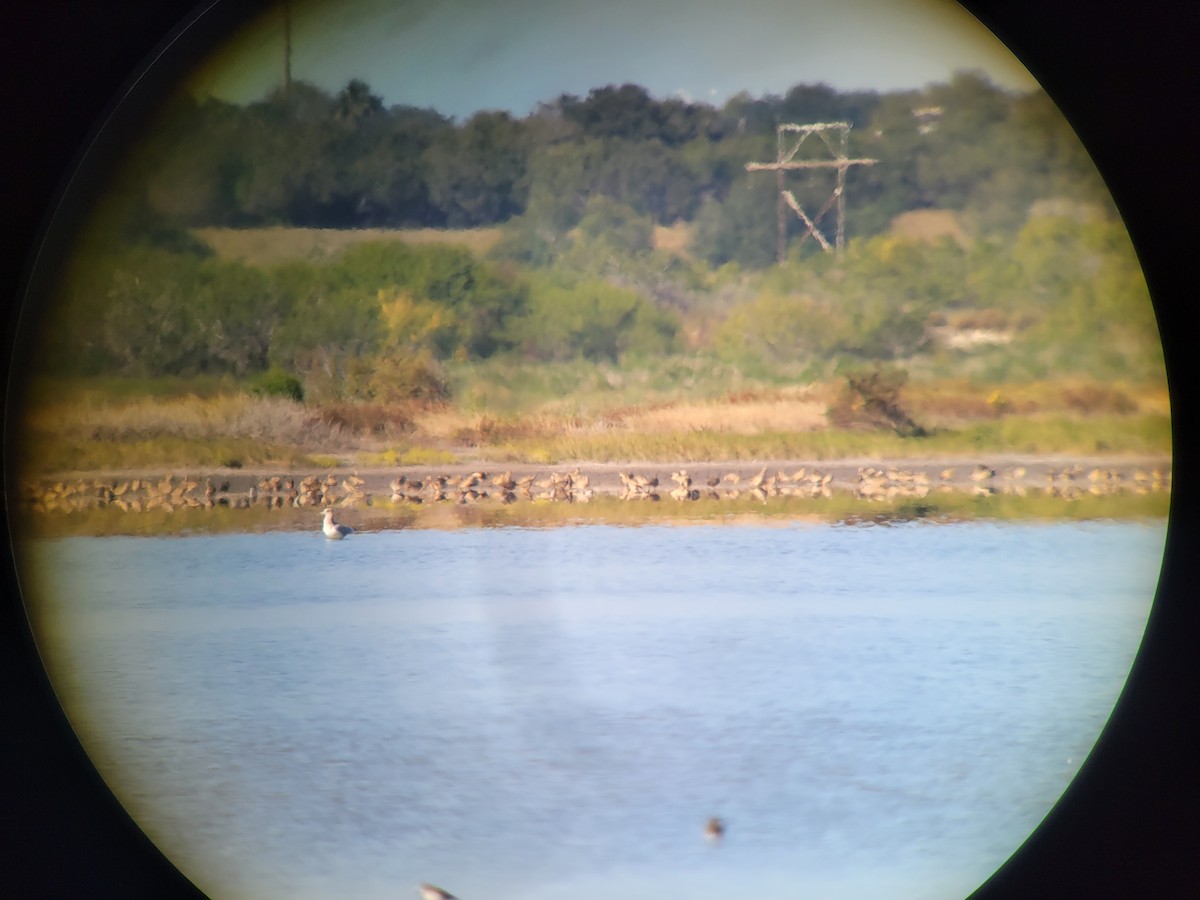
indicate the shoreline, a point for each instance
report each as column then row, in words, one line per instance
column 1043, row 488
column 605, row 477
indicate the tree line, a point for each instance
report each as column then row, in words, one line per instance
column 578, row 187
column 303, row 157
column 384, row 320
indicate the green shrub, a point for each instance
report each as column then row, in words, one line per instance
column 275, row 382
column 401, row 376
column 591, row 319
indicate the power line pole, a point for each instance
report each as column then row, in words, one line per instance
column 287, row 50
column 788, row 140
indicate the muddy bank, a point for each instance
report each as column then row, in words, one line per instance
column 388, row 488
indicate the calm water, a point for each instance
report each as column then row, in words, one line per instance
column 875, row 711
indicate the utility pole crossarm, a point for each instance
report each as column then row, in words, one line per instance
column 789, row 138
column 810, row 164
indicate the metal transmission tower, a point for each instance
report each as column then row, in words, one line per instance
column 287, row 50
column 789, row 138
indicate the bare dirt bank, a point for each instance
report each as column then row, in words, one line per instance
column 376, row 483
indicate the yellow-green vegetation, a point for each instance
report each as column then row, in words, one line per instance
column 86, row 426
column 83, row 427
column 602, row 290
column 409, row 456
column 47, row 454
column 272, row 246
column 1042, row 435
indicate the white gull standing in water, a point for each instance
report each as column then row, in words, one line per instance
column 332, row 529
column 432, row 892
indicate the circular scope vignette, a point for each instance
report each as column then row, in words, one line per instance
column 543, row 452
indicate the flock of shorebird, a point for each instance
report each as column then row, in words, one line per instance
column 1069, row 483
column 801, row 482
column 169, row 493
column 575, row 486
column 714, row 830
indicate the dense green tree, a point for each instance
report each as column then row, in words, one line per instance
column 579, row 186
column 626, row 112
column 307, row 158
column 477, row 173
column 741, row 229
column 590, row 319
column 330, row 327
column 150, row 312
column 649, row 177
column 616, row 227
column 809, row 103
column 744, row 114
column 562, row 177
column 355, row 104
column 480, row 297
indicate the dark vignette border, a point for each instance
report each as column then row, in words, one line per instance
column 1127, row 77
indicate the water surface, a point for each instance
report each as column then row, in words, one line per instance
column 526, row 714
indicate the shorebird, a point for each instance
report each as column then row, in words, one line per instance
column 432, row 892
column 524, row 483
column 714, row 829
column 332, row 529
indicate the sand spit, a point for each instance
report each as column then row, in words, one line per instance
column 392, row 488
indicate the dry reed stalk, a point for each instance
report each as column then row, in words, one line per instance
column 735, row 418
column 443, row 423
column 236, row 416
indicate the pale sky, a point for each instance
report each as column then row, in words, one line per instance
column 461, row 56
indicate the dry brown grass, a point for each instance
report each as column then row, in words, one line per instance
column 231, row 415
column 755, row 413
column 930, row 225
column 1154, row 400
column 1093, row 398
column 754, row 417
column 92, row 431
column 675, row 238
column 978, row 320
column 272, row 246
column 443, row 423
column 948, row 402
column 380, row 420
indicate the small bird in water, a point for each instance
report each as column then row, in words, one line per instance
column 431, row 892
column 714, row 829
column 332, row 529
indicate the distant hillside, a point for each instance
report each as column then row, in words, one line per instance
column 930, row 225
column 279, row 244
column 314, row 160
column 271, row 246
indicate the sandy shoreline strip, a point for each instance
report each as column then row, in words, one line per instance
column 605, row 477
